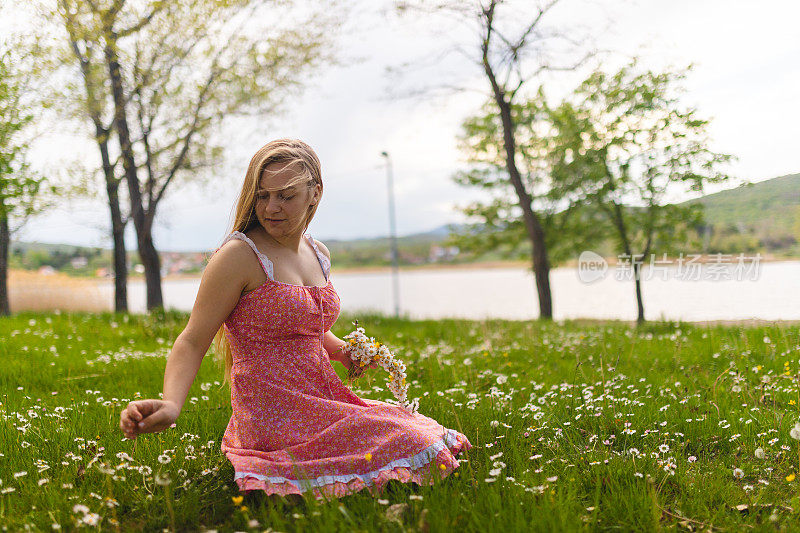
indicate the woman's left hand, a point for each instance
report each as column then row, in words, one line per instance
column 357, row 370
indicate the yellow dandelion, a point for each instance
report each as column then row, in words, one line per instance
column 368, row 457
column 790, row 477
column 791, row 402
column 237, row 499
column 455, row 474
column 443, row 467
column 243, row 508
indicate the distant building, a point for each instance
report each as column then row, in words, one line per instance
column 179, row 262
column 79, row 262
column 442, row 253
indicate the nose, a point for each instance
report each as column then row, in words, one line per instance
column 273, row 206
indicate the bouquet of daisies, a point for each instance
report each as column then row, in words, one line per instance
column 365, row 351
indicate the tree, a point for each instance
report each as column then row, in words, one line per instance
column 625, row 137
column 568, row 225
column 166, row 76
column 503, row 60
column 89, row 102
column 21, row 188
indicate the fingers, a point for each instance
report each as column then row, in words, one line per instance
column 143, row 416
column 128, row 421
column 155, row 422
column 124, row 421
column 136, row 414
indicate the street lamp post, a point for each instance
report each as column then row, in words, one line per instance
column 393, row 237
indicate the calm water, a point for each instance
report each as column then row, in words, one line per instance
column 510, row 293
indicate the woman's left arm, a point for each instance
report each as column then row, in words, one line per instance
column 333, row 345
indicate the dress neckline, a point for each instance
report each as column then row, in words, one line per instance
column 273, row 281
column 270, row 276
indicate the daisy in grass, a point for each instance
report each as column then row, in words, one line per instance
column 366, row 351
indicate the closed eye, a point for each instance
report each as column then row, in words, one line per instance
column 265, row 196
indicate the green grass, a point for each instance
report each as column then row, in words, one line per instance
column 596, row 424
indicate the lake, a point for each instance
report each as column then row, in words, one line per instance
column 772, row 292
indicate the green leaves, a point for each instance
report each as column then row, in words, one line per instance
column 19, row 107
column 634, row 143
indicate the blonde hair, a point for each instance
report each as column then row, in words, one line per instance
column 289, row 151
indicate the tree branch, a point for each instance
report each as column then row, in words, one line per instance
column 144, row 21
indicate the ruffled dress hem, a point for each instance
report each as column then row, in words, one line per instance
column 444, row 463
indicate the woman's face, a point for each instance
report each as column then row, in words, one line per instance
column 283, row 212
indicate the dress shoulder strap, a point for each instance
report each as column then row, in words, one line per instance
column 266, row 264
column 322, row 258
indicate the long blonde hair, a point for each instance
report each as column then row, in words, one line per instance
column 287, row 151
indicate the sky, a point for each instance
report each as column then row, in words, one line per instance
column 746, row 79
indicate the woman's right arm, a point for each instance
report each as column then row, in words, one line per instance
column 221, row 286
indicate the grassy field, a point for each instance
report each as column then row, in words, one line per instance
column 574, row 425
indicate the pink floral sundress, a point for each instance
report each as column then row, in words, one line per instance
column 295, row 426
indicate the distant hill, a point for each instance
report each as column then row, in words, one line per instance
column 771, row 204
column 763, row 216
column 438, row 233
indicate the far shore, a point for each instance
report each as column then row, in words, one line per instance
column 573, row 263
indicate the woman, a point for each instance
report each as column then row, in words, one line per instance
column 267, row 296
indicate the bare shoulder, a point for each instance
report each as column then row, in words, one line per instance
column 221, row 285
column 323, row 248
column 234, row 263
column 231, row 255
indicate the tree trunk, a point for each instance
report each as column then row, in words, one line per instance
column 637, row 269
column 5, row 241
column 101, row 135
column 147, row 252
column 120, row 253
column 152, row 270
column 541, row 264
column 117, row 224
column 618, row 220
column 645, row 253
